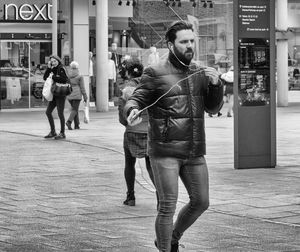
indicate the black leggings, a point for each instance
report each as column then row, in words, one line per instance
column 59, row 102
column 129, row 171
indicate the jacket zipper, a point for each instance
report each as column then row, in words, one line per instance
column 165, row 131
column 189, row 83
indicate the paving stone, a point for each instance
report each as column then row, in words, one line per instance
column 73, row 202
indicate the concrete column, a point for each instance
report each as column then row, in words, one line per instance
column 282, row 55
column 54, row 27
column 80, row 43
column 102, row 55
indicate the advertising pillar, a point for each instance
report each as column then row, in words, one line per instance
column 254, row 87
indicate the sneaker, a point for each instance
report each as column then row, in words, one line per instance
column 68, row 123
column 76, row 127
column 60, row 136
column 51, row 135
column 229, row 115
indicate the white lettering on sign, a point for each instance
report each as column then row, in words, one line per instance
column 25, row 12
column 28, row 12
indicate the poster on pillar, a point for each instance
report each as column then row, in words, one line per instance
column 254, row 72
column 254, row 52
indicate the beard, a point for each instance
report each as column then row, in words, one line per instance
column 185, row 57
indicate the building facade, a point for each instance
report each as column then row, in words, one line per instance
column 25, row 47
column 135, row 28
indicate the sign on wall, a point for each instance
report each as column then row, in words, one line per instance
column 34, row 12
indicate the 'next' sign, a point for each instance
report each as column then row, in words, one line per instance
column 27, row 12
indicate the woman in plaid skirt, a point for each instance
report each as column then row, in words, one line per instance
column 135, row 137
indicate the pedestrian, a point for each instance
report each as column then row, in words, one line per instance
column 56, row 70
column 135, row 137
column 78, row 91
column 94, row 79
column 228, row 82
column 154, row 56
column 91, row 73
column 112, row 76
column 176, row 92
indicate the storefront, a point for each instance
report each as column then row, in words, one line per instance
column 136, row 26
column 25, row 47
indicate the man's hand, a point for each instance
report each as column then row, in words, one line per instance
column 213, row 75
column 133, row 118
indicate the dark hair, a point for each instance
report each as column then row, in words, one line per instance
column 175, row 27
column 134, row 67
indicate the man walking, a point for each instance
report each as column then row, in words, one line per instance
column 176, row 93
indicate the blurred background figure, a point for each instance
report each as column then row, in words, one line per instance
column 228, row 79
column 78, row 91
column 112, row 76
column 94, row 79
column 153, row 57
column 91, row 73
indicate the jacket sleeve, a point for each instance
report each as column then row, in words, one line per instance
column 144, row 93
column 213, row 100
column 47, row 73
column 61, row 76
column 82, row 88
column 121, row 105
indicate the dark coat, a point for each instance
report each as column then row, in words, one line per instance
column 176, row 121
column 59, row 74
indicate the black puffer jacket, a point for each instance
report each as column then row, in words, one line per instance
column 59, row 74
column 176, row 121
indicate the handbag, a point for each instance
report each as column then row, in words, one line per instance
column 47, row 89
column 62, row 89
column 59, row 89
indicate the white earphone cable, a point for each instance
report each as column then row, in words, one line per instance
column 168, row 91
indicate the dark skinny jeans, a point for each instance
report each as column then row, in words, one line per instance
column 59, row 102
column 74, row 112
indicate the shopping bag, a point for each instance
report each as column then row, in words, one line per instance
column 47, row 89
column 86, row 118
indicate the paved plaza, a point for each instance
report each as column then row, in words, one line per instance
column 67, row 195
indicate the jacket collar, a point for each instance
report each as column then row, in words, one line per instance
column 175, row 62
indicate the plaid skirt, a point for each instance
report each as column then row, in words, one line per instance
column 136, row 143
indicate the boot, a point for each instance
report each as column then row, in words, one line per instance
column 60, row 136
column 130, row 200
column 174, row 247
column 51, row 135
column 68, row 123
